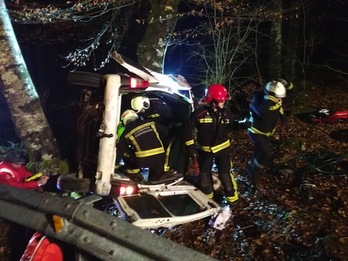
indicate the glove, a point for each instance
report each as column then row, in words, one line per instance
column 244, row 123
column 42, row 180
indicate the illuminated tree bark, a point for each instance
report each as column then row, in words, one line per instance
column 23, row 101
column 151, row 48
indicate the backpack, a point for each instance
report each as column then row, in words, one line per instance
column 40, row 248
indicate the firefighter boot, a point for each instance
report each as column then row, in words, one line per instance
column 230, row 188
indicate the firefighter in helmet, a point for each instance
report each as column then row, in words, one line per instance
column 140, row 145
column 141, row 105
column 162, row 113
column 153, row 108
column 213, row 122
column 265, row 112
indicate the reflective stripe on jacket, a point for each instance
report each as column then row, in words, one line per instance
column 265, row 112
column 142, row 139
column 212, row 128
column 7, row 171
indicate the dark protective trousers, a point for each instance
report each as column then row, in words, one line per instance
column 155, row 163
column 262, row 156
column 262, row 148
column 223, row 163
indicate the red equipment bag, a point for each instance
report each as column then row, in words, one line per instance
column 40, row 248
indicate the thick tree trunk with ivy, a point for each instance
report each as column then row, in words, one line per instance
column 22, row 99
column 161, row 22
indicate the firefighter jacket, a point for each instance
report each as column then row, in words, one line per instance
column 142, row 139
column 212, row 128
column 15, row 177
column 265, row 112
column 159, row 112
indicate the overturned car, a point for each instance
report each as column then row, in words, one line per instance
column 166, row 202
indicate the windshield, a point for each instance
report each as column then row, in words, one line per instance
column 186, row 93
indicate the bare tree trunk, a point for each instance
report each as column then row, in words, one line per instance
column 291, row 63
column 275, row 51
column 23, row 101
column 161, row 22
column 291, row 66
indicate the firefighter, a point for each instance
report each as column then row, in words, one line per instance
column 153, row 108
column 162, row 113
column 13, row 172
column 141, row 146
column 265, row 112
column 213, row 122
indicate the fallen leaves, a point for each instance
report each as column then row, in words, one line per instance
column 292, row 216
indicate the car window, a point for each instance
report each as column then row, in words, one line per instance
column 180, row 205
column 186, row 93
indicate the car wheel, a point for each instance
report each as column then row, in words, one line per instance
column 85, row 79
column 70, row 183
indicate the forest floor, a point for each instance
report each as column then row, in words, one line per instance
column 300, row 211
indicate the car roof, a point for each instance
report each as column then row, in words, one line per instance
column 167, row 205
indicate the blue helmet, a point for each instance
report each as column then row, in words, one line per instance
column 15, row 157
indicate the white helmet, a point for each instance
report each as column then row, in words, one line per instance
column 140, row 102
column 276, row 89
column 128, row 116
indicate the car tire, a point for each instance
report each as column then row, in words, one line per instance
column 70, row 183
column 85, row 79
